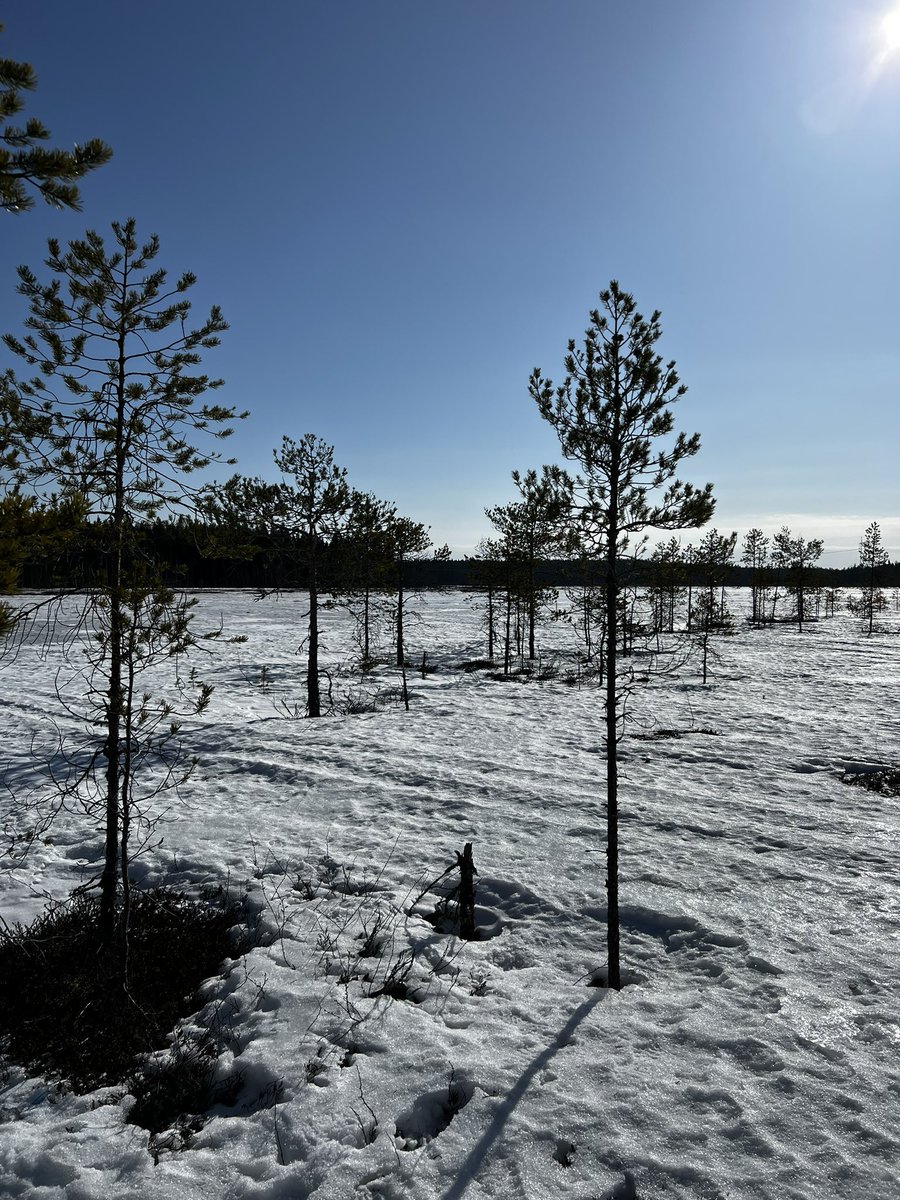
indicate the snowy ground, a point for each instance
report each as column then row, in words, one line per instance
column 754, row 1058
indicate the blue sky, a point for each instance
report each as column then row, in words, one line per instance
column 404, row 207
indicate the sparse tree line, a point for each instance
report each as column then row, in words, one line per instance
column 678, row 587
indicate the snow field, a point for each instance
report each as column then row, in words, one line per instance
column 754, row 1055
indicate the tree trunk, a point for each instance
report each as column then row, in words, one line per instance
column 872, row 597
column 705, row 652
column 467, row 874
column 313, row 701
column 614, row 978
column 532, row 604
column 612, row 781
column 507, row 649
column 125, row 796
column 114, row 696
column 109, row 877
column 400, row 648
column 366, row 624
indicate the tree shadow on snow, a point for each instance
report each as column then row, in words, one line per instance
column 480, row 1151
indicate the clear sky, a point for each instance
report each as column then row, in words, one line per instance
column 403, row 207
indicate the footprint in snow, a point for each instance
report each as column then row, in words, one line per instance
column 432, row 1113
column 713, row 1100
column 677, row 932
column 513, row 900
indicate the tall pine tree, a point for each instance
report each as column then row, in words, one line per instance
column 612, row 414
column 117, row 397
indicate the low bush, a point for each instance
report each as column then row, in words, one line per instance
column 172, row 1091
column 885, row 782
column 87, row 1013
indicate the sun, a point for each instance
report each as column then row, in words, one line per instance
column 890, row 31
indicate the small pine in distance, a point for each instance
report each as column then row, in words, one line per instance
column 872, row 600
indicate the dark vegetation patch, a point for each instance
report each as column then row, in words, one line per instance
column 538, row 670
column 173, row 1091
column 520, row 674
column 885, row 782
column 354, row 704
column 88, row 1014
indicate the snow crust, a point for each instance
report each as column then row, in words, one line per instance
column 753, row 1055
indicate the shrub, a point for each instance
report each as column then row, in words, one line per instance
column 172, row 1090
column 885, row 782
column 86, row 1012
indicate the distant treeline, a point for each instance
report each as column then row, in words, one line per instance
column 194, row 558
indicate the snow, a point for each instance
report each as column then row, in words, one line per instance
column 753, row 1054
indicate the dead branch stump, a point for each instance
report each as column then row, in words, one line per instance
column 467, row 875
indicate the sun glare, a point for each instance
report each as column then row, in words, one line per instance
column 890, row 31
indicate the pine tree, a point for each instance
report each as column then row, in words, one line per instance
column 294, row 523
column 506, row 519
column 540, row 526
column 485, row 573
column 117, row 402
column 754, row 554
column 796, row 558
column 587, row 610
column 712, row 615
column 667, row 578
column 872, row 600
column 530, row 531
column 366, row 565
column 611, row 414
column 25, row 163
column 315, row 506
column 406, row 540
